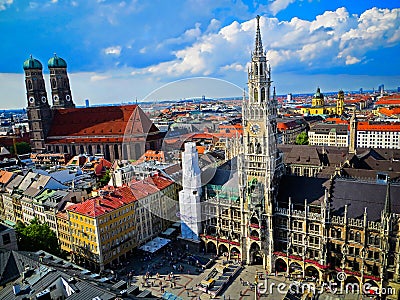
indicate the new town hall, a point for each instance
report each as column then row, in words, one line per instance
column 311, row 227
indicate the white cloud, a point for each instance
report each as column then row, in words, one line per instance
column 332, row 39
column 4, row 4
column 279, row 5
column 234, row 67
column 351, row 60
column 54, row 1
column 113, row 50
column 99, row 77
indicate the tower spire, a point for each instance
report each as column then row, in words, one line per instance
column 388, row 203
column 259, row 47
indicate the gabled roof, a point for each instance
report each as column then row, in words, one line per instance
column 100, row 121
column 300, row 188
column 12, row 264
column 14, row 183
column 357, row 195
column 5, row 177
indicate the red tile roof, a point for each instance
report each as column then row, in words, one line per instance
column 370, row 126
column 389, row 100
column 110, row 122
column 114, row 198
column 5, row 176
column 100, row 205
column 336, row 120
column 389, row 112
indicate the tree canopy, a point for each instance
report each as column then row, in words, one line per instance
column 22, row 148
column 302, row 139
column 37, row 236
column 103, row 181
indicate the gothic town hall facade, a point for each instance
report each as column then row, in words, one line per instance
column 297, row 226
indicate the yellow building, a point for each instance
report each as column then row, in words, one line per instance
column 64, row 236
column 319, row 107
column 104, row 229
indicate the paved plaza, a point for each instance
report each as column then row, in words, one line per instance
column 171, row 270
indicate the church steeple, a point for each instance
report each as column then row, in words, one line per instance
column 260, row 165
column 258, row 50
column 38, row 111
column 388, row 202
column 60, row 88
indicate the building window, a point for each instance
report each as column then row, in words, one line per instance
column 6, row 239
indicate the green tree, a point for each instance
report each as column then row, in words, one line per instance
column 22, row 148
column 103, row 181
column 37, row 236
column 302, row 139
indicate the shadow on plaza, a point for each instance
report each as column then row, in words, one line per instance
column 173, row 269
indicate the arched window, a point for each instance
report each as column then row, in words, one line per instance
column 377, row 241
column 333, row 232
column 90, row 149
column 255, row 93
column 81, row 149
column 53, row 83
column 73, row 150
column 251, row 148
column 339, row 234
column 259, row 150
column 261, row 69
column 255, row 69
column 371, row 239
column 116, row 153
column 262, row 94
column 65, row 149
column 30, row 87
column 358, row 237
column 351, row 235
column 98, row 149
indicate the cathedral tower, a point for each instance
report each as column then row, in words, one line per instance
column 39, row 112
column 60, row 89
column 260, row 164
column 340, row 103
column 318, row 99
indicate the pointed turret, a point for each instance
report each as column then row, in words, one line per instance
column 353, row 133
column 258, row 50
column 388, row 202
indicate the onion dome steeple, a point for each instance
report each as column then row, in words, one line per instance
column 32, row 63
column 258, row 50
column 56, row 62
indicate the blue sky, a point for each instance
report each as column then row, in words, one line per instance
column 119, row 51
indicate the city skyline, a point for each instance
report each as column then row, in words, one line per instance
column 120, row 51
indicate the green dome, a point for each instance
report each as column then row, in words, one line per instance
column 32, row 63
column 318, row 94
column 56, row 62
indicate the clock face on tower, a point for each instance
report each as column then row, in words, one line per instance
column 31, row 99
column 254, row 128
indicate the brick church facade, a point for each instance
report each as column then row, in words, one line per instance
column 117, row 132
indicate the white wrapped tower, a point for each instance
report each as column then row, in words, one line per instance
column 189, row 197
